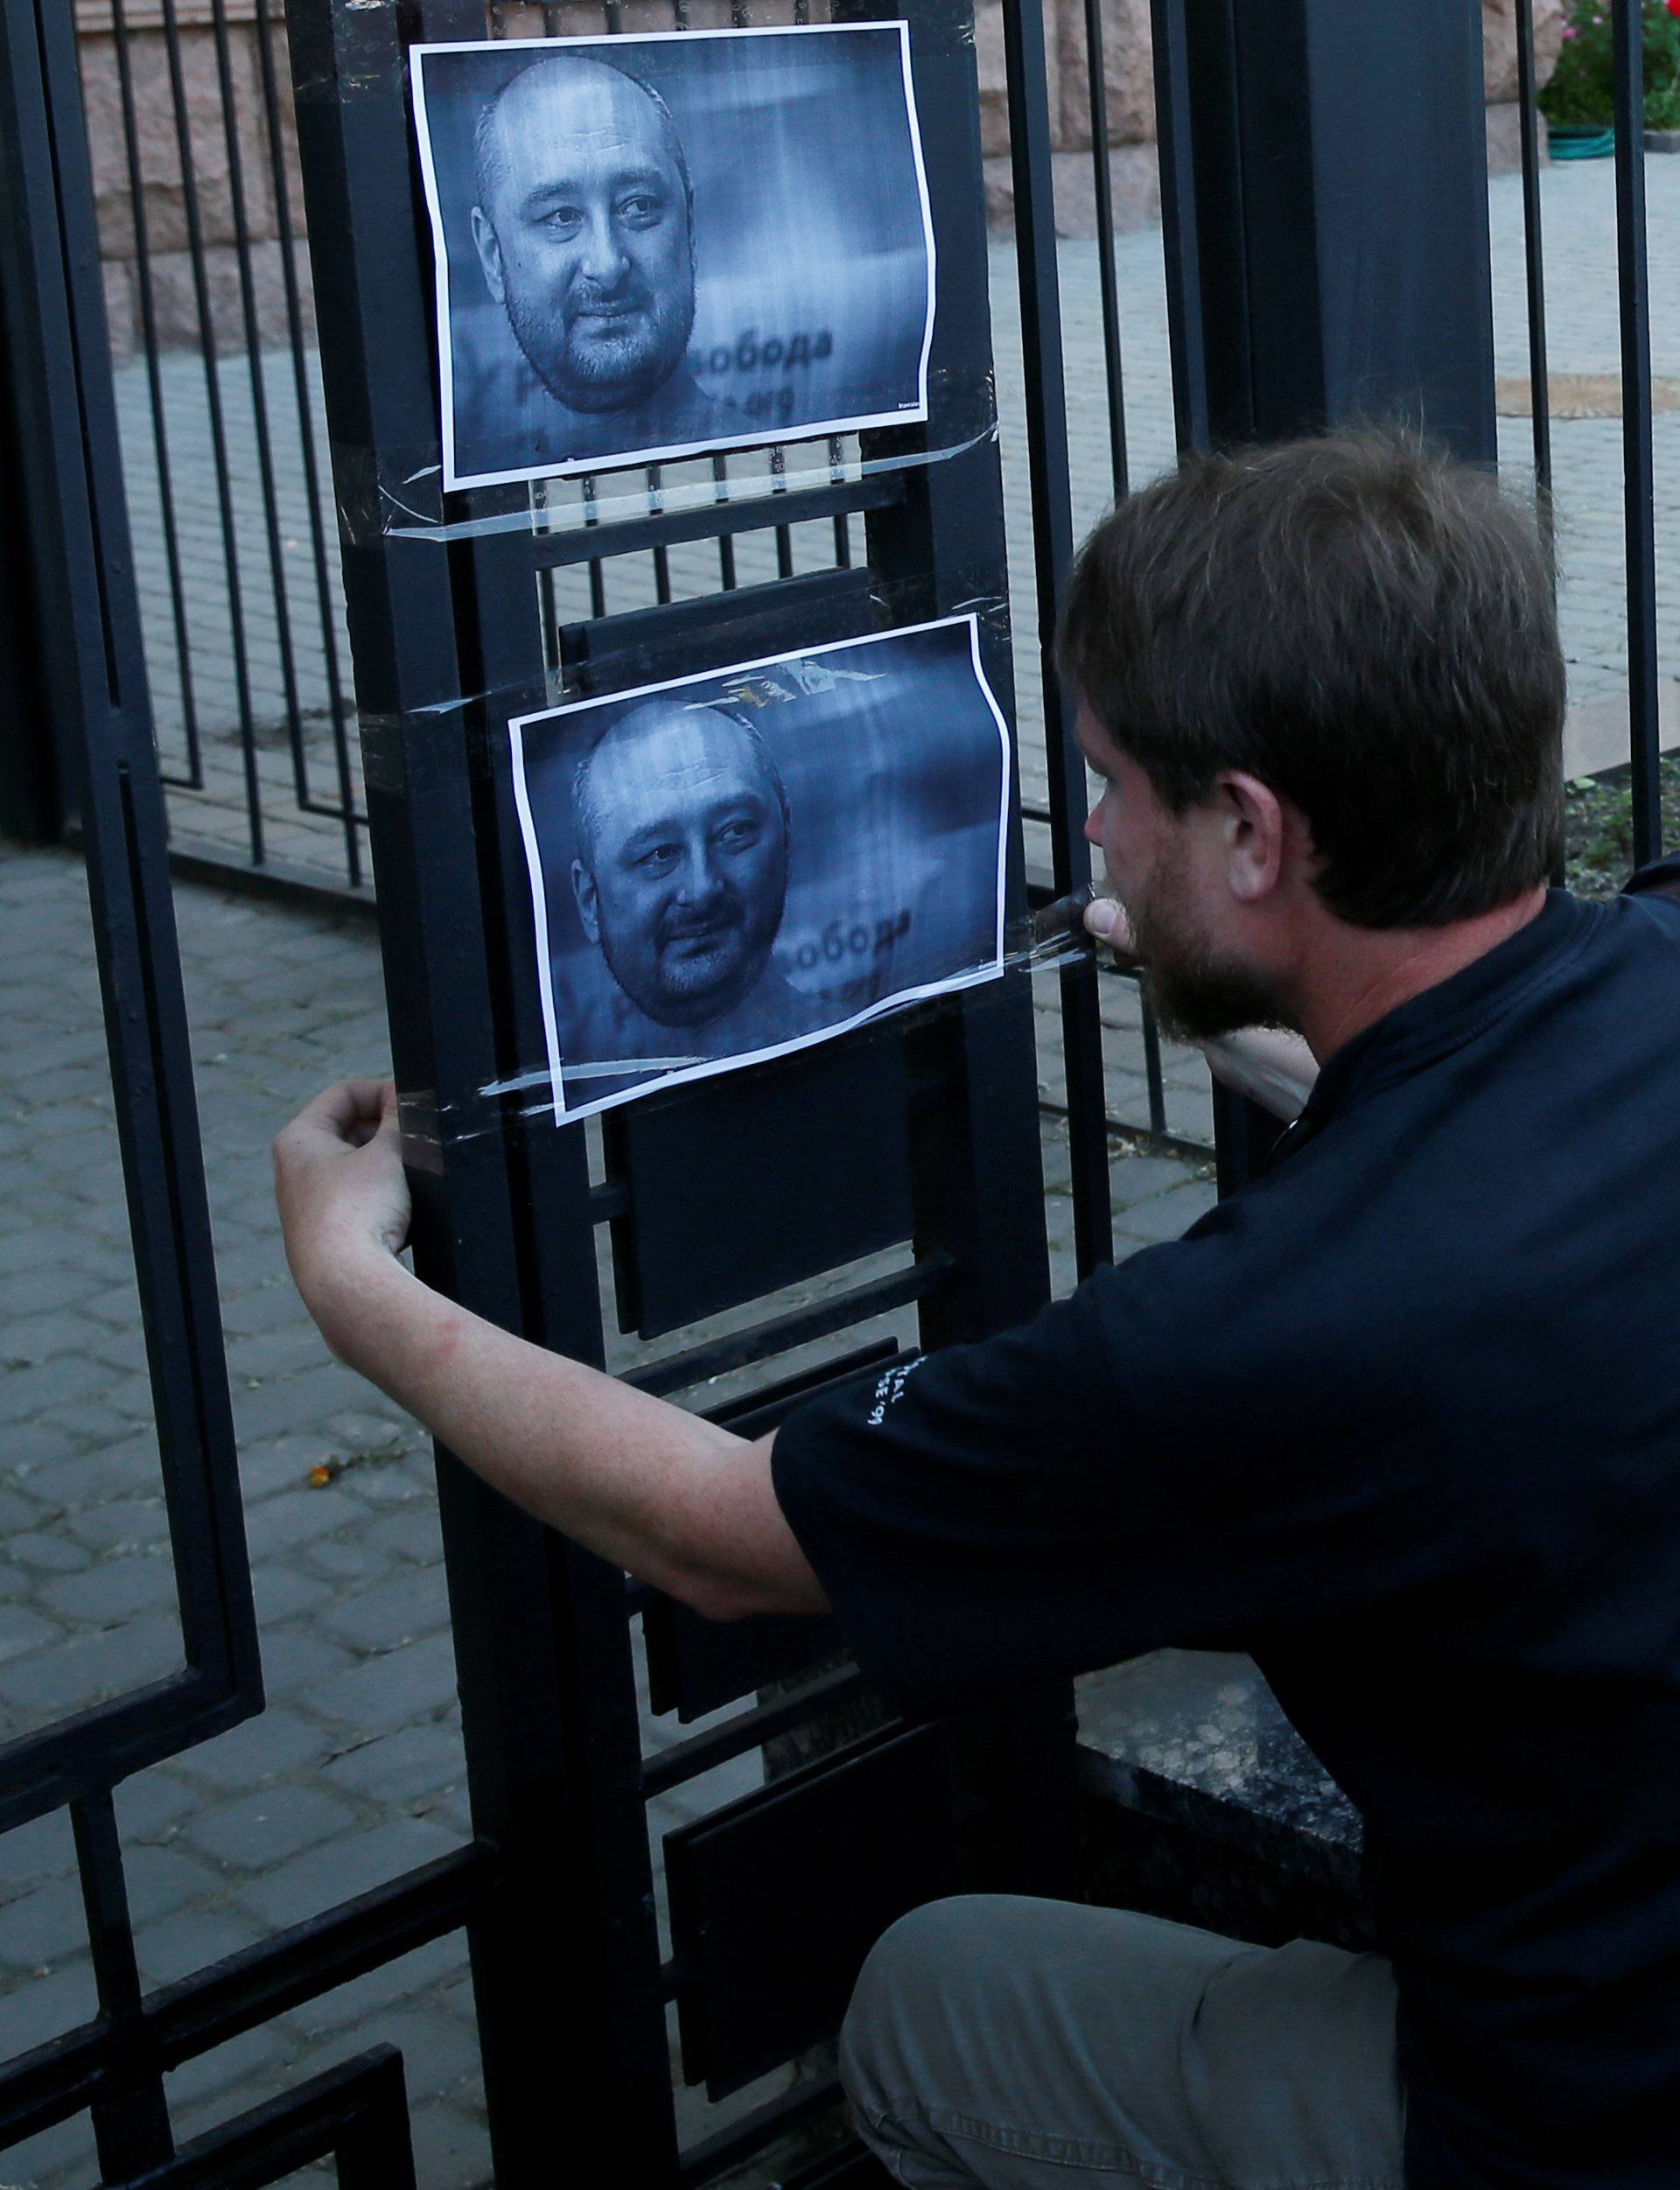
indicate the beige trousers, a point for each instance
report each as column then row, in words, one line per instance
column 1026, row 2045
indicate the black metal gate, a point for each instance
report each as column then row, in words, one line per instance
column 218, row 410
column 937, row 1177
column 68, row 577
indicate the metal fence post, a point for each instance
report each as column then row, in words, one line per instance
column 1319, row 272
column 31, row 792
column 1337, row 275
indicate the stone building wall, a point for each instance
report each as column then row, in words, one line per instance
column 222, row 76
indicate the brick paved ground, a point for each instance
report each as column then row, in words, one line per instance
column 354, row 1773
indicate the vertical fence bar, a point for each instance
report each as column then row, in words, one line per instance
column 1534, row 268
column 1534, row 264
column 218, row 429
column 784, row 538
column 131, row 2119
column 1103, row 184
column 547, row 593
column 267, row 481
column 725, row 541
column 661, row 556
column 325, row 593
column 1155, row 1086
column 1185, row 337
column 597, row 574
column 842, row 524
column 1638, row 483
column 1119, row 469
column 143, row 282
column 1053, row 543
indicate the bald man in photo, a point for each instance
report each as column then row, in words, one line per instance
column 584, row 225
column 680, row 880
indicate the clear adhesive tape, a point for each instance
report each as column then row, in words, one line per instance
column 1042, row 941
column 390, row 501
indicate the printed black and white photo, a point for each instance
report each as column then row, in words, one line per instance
column 650, row 247
column 741, row 863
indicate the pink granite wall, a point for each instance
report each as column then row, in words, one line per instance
column 214, row 148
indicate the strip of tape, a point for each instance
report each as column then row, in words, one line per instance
column 1045, row 941
column 409, row 505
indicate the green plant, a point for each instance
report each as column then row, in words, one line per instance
column 1581, row 89
column 1598, row 827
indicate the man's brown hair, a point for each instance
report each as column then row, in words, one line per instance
column 1365, row 625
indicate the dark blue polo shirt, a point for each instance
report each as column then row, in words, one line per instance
column 1402, row 1418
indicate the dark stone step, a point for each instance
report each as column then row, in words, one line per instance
column 1200, row 1802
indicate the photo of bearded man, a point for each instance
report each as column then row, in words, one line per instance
column 583, row 223
column 754, row 857
column 652, row 247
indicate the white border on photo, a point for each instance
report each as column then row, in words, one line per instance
column 454, row 483
column 566, row 1113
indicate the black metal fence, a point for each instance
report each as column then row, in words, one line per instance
column 218, row 405
column 219, row 399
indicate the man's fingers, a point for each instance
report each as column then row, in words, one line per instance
column 368, row 1097
column 390, row 1127
column 350, row 1112
column 344, row 1104
column 1105, row 918
column 340, row 1185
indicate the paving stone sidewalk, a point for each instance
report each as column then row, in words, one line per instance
column 354, row 1773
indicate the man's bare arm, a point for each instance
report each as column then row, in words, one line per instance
column 679, row 1503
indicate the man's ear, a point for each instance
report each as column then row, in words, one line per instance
column 589, row 909
column 489, row 250
column 1259, row 832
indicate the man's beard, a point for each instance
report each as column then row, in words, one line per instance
column 692, row 989
column 614, row 374
column 1194, row 993
column 683, row 987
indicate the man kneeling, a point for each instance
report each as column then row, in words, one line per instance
column 1401, row 1418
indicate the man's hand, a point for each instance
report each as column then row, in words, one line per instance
column 1105, row 918
column 343, row 1199
column 1271, row 1064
